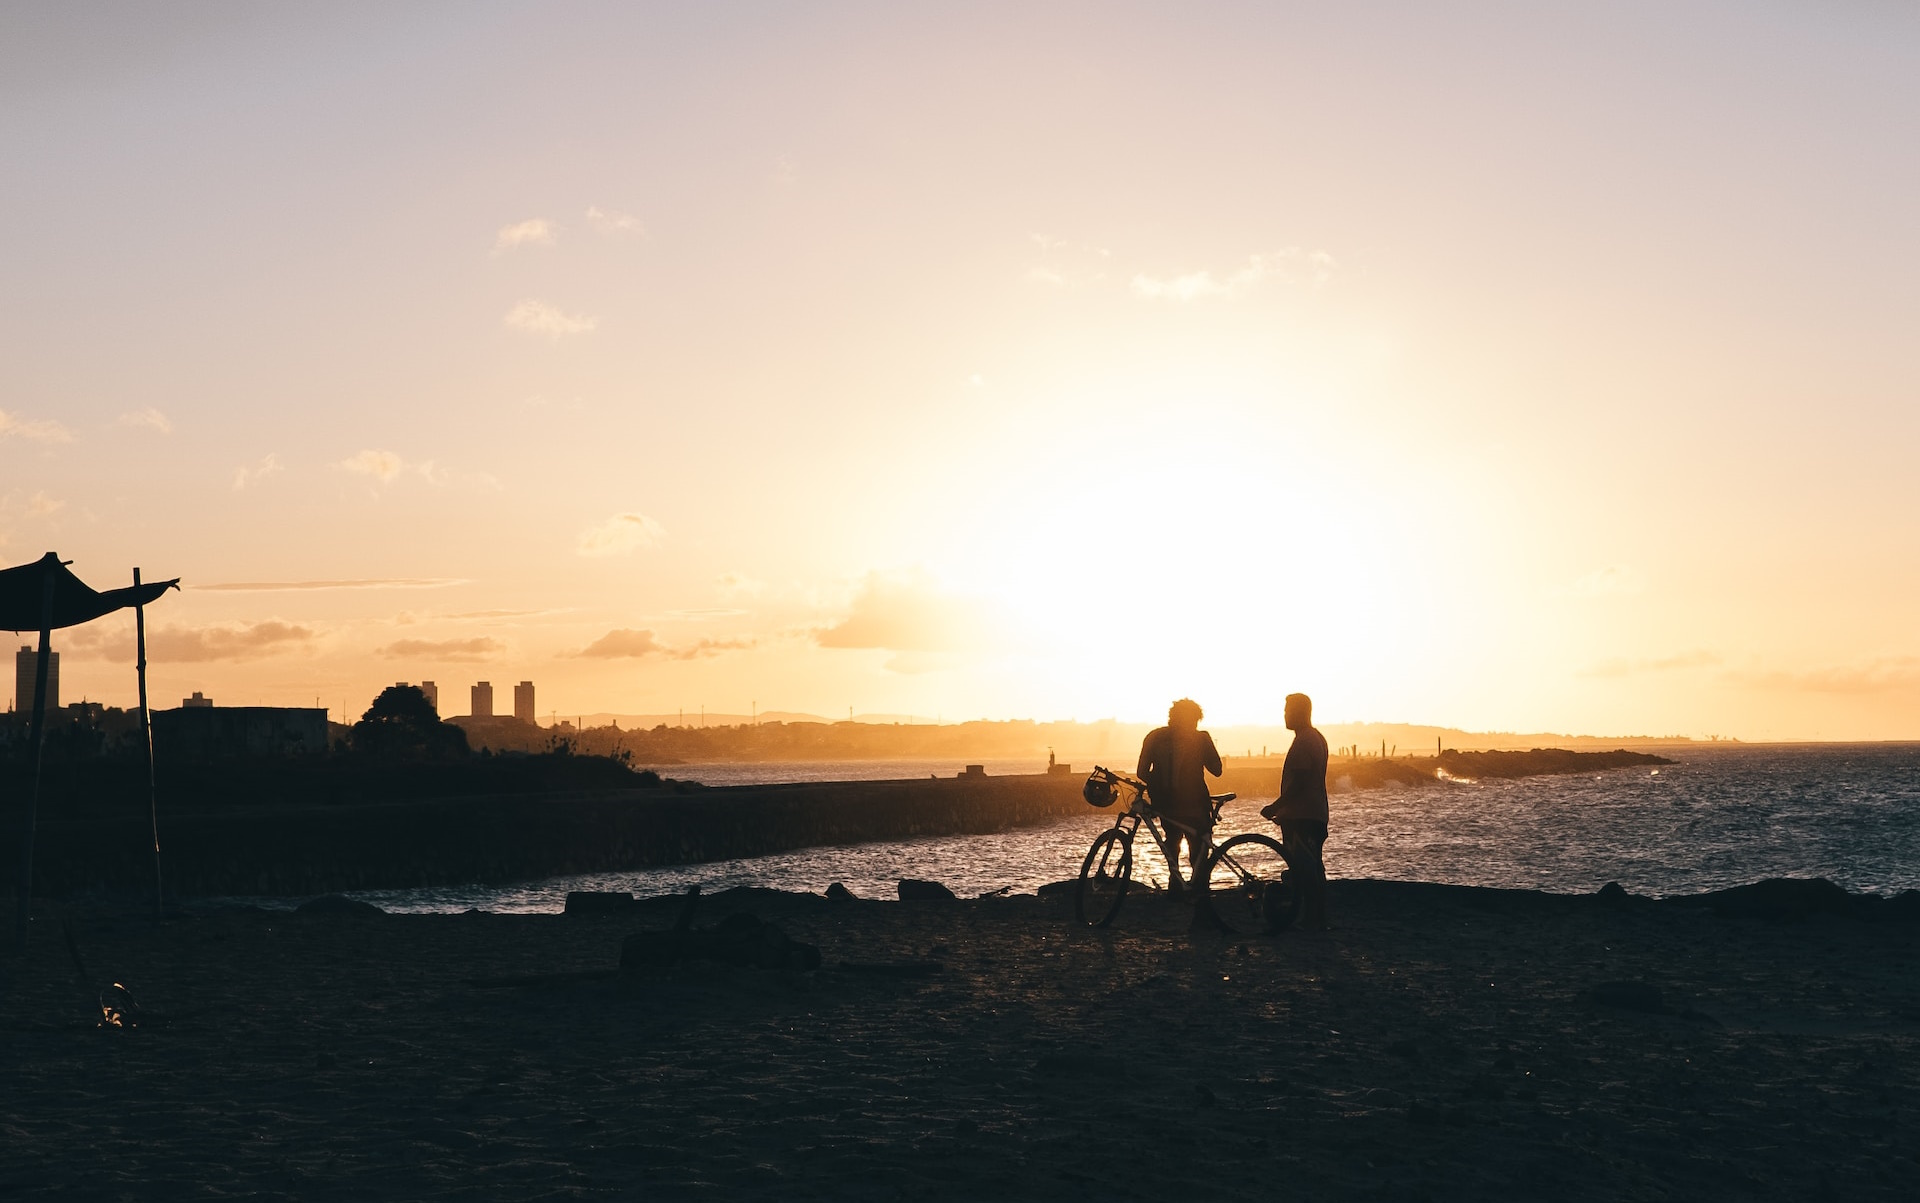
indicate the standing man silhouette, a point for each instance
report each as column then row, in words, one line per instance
column 1301, row 809
column 1173, row 761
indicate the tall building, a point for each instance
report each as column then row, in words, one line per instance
column 482, row 700
column 427, row 688
column 523, row 702
column 25, row 666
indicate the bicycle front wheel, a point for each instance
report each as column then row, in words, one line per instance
column 1252, row 894
column 1104, row 877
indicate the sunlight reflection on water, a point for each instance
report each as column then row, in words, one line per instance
column 1722, row 817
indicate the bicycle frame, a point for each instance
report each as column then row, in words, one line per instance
column 1140, row 813
column 1254, row 864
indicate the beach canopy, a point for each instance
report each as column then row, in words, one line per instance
column 24, row 603
column 43, row 596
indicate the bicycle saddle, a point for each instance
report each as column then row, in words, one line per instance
column 1222, row 799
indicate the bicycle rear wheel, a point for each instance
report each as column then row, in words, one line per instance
column 1104, row 877
column 1251, row 891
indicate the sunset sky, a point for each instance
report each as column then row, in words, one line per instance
column 1504, row 366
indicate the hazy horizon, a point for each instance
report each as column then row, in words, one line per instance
column 1518, row 370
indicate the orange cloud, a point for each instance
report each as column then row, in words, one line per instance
column 908, row 614
column 627, row 644
column 193, row 645
column 468, row 650
column 536, row 231
column 538, row 317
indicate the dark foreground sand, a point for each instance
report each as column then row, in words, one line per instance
column 1440, row 1044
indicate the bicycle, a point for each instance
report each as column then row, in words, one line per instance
column 1257, row 896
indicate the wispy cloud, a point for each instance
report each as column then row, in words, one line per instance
column 1291, row 263
column 499, row 615
column 465, row 650
column 249, row 474
column 395, row 582
column 712, row 647
column 1886, row 674
column 612, row 221
column 619, row 534
column 536, row 231
column 14, row 507
column 538, row 317
column 148, row 418
column 34, row 430
column 193, row 645
column 385, row 467
column 625, row 643
column 381, row 465
column 1624, row 667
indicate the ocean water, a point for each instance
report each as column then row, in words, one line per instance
column 1723, row 816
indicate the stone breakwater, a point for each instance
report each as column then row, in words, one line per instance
column 499, row 839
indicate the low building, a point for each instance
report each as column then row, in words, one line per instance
column 209, row 732
column 198, row 701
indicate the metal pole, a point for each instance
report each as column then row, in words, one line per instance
column 37, row 735
column 146, row 731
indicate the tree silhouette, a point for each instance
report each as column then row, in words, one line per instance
column 402, row 725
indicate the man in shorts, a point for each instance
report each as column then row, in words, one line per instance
column 1173, row 762
column 1301, row 810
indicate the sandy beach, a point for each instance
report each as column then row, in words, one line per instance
column 1442, row 1042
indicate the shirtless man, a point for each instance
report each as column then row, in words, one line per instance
column 1301, row 809
column 1173, row 761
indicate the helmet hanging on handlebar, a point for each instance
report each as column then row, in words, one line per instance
column 1099, row 791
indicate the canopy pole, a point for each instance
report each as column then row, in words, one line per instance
column 146, row 732
column 37, row 736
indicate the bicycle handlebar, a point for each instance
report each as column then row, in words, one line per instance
column 1101, row 770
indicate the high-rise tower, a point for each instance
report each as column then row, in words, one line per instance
column 25, row 667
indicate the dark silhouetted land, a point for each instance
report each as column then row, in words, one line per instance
column 310, row 825
column 1444, row 1043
